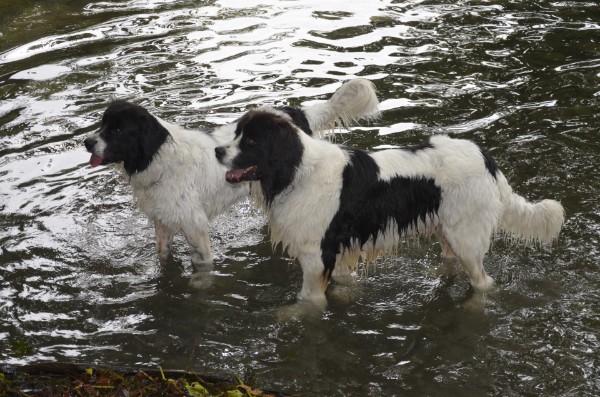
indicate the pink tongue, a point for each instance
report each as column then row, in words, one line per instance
column 234, row 175
column 95, row 160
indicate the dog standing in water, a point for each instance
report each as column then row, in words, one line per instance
column 176, row 179
column 331, row 205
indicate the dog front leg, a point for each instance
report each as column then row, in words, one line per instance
column 164, row 239
column 314, row 279
column 199, row 242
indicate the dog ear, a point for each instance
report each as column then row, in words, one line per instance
column 282, row 149
column 150, row 137
column 298, row 118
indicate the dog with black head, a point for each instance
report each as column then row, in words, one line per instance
column 330, row 206
column 176, row 179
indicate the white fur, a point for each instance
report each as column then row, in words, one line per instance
column 473, row 206
column 355, row 101
column 184, row 187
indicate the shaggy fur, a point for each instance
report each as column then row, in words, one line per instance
column 330, row 205
column 175, row 177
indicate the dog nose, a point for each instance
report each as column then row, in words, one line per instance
column 219, row 152
column 90, row 143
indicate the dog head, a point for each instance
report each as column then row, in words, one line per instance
column 129, row 134
column 267, row 148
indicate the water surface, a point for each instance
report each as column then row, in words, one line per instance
column 79, row 281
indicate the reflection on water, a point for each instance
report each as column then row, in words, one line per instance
column 79, row 280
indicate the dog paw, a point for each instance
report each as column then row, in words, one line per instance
column 301, row 310
column 202, row 276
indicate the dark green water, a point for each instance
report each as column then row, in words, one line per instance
column 79, row 280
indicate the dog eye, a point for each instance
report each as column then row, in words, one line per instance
column 118, row 131
column 249, row 141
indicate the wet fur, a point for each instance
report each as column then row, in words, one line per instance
column 331, row 205
column 176, row 180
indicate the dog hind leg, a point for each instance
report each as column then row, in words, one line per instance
column 164, row 239
column 478, row 277
column 470, row 245
column 447, row 252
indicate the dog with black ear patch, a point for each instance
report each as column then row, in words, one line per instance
column 330, row 205
column 176, row 179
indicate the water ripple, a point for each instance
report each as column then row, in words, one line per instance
column 79, row 280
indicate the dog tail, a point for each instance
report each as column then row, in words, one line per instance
column 355, row 99
column 539, row 222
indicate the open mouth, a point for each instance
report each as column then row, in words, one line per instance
column 96, row 160
column 246, row 174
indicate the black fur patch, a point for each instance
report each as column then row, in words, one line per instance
column 368, row 204
column 490, row 163
column 132, row 135
column 271, row 143
column 298, row 117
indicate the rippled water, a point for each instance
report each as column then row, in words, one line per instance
column 79, row 280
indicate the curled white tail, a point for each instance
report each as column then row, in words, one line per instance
column 539, row 221
column 354, row 100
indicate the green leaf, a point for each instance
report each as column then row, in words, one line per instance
column 197, row 390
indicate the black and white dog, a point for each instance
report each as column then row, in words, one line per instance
column 330, row 205
column 176, row 179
